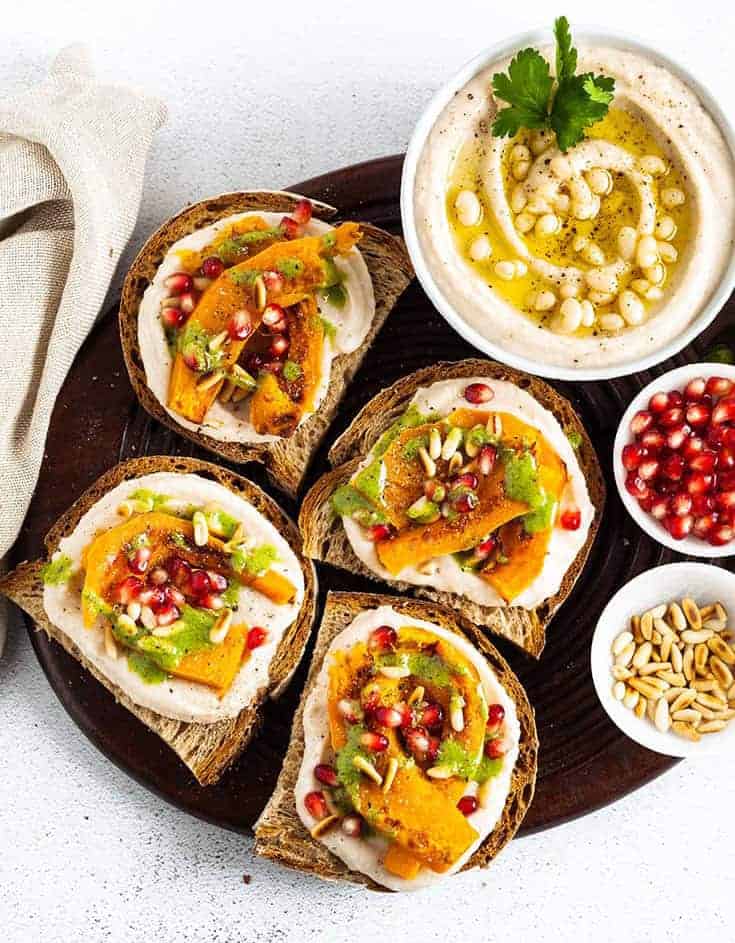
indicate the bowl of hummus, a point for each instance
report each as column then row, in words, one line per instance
column 573, row 255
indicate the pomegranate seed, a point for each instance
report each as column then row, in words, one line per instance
column 350, row 710
column 465, row 503
column 179, row 283
column 467, row 805
column 483, row 550
column 652, row 440
column 673, row 416
column 695, row 389
column 274, row 318
column 139, row 559
column 256, row 637
column 217, row 581
column 660, row 508
column 378, row 532
column 158, row 576
column 702, row 504
column 477, row 393
column 432, row 716
column 704, row 462
column 640, row 422
column 664, row 486
column 726, row 458
column 273, row 366
column 495, row 748
column 302, row 212
column 468, row 480
column 648, row 468
column 681, row 504
column 487, row 458
column 179, row 570
column 679, row 527
column 274, row 282
column 636, row 486
column 725, row 500
column 676, row 398
column 698, row 483
column 153, row 597
column 721, row 534
column 188, row 302
column 212, row 601
column 253, row 363
column 658, row 402
column 351, row 825
column 693, row 445
column 167, row 614
column 495, row 717
column 703, row 525
column 433, row 751
column 200, row 583
column 647, row 503
column 316, row 804
column 417, row 741
column 633, row 455
column 212, row 267
column 382, row 638
column 375, row 742
column 672, row 467
column 174, row 596
column 715, row 435
column 239, row 327
column 698, row 415
column 191, row 361
column 279, row 346
column 571, row 519
column 677, row 436
column 290, row 228
column 726, row 481
column 724, row 411
column 173, row 317
column 371, row 699
column 128, row 590
column 719, row 386
column 325, row 774
column 388, row 716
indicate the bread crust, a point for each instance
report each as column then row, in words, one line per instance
column 279, row 832
column 286, row 460
column 207, row 749
column 325, row 538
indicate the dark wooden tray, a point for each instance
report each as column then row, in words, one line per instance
column 584, row 761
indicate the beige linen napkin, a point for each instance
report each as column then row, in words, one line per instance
column 72, row 157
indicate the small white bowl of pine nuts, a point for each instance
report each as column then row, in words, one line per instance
column 663, row 659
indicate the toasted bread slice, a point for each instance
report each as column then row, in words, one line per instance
column 325, row 538
column 287, row 459
column 207, row 749
column 279, row 832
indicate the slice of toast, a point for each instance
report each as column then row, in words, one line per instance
column 287, row 459
column 279, row 832
column 207, row 749
column 325, row 538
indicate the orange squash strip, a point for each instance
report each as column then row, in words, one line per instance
column 400, row 862
column 526, row 555
column 216, row 666
column 223, row 297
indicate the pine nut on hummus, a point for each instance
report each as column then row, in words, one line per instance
column 577, row 250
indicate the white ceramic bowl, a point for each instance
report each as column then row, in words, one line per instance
column 416, row 144
column 673, row 380
column 704, row 583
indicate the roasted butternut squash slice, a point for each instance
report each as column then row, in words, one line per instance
column 105, row 561
column 229, row 293
column 216, row 666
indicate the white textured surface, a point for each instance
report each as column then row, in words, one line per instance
column 265, row 95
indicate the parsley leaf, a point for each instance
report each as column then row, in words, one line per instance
column 526, row 88
column 567, row 105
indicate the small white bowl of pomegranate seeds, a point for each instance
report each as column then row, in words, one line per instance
column 674, row 459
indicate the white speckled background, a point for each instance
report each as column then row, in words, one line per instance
column 260, row 95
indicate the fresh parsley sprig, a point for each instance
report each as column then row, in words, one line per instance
column 567, row 105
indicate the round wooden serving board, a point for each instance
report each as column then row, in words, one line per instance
column 584, row 761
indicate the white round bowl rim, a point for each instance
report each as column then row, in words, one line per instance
column 670, row 380
column 426, row 122
column 640, row 729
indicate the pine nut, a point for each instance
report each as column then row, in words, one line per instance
column 209, row 380
column 661, row 718
column 631, row 698
column 640, row 708
column 221, row 627
column 688, row 715
column 366, row 767
column 428, row 462
column 722, row 650
column 435, row 443
column 618, row 690
column 653, row 667
column 711, row 726
column 622, row 642
column 642, row 655
column 647, row 626
column 685, row 730
column 676, row 617
column 620, row 673
column 451, row 443
column 323, row 825
column 625, row 655
column 390, row 773
column 721, row 672
column 201, row 529
column 692, row 613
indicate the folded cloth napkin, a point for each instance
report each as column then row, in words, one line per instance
column 72, row 156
